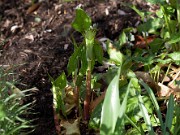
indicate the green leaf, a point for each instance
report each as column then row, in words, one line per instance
column 174, row 38
column 154, row 101
column 122, row 39
column 156, row 44
column 111, row 106
column 145, row 115
column 58, row 92
column 82, row 21
column 165, row 61
column 84, row 63
column 156, row 1
column 150, row 26
column 61, row 81
column 115, row 56
column 140, row 13
column 176, row 119
column 2, row 111
column 109, row 75
column 135, row 130
column 95, row 117
column 169, row 115
column 175, row 56
column 120, row 122
column 147, row 60
column 73, row 60
column 98, row 52
column 80, row 79
column 89, row 39
column 133, row 110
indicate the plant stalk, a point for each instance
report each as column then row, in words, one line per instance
column 56, row 122
column 88, row 93
column 77, row 99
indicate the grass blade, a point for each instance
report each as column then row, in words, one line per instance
column 145, row 115
column 169, row 116
column 134, row 125
column 154, row 101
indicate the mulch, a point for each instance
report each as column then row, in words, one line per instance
column 38, row 43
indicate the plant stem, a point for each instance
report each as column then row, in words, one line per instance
column 77, row 99
column 166, row 20
column 178, row 12
column 88, row 93
column 56, row 122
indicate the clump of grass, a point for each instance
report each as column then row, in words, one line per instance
column 12, row 108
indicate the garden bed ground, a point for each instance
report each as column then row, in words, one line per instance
column 39, row 43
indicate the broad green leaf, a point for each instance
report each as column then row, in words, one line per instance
column 90, row 36
column 58, row 92
column 156, row 44
column 156, row 1
column 98, row 52
column 175, row 56
column 111, row 106
column 165, row 34
column 122, row 39
column 147, row 60
column 174, row 38
column 84, row 63
column 126, row 66
column 61, row 81
column 159, row 13
column 169, row 115
column 133, row 110
column 73, row 60
column 60, row 104
column 82, row 21
column 89, row 39
column 115, row 56
column 173, row 25
column 151, row 25
column 165, row 61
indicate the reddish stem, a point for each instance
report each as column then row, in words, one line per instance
column 77, row 99
column 88, row 96
column 56, row 122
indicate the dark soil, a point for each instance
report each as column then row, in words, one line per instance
column 39, row 43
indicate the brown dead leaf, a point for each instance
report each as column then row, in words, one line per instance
column 97, row 101
column 71, row 128
column 141, row 42
column 33, row 8
column 164, row 78
column 175, row 77
column 175, row 87
column 164, row 91
column 70, row 96
column 69, row 99
column 145, row 76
